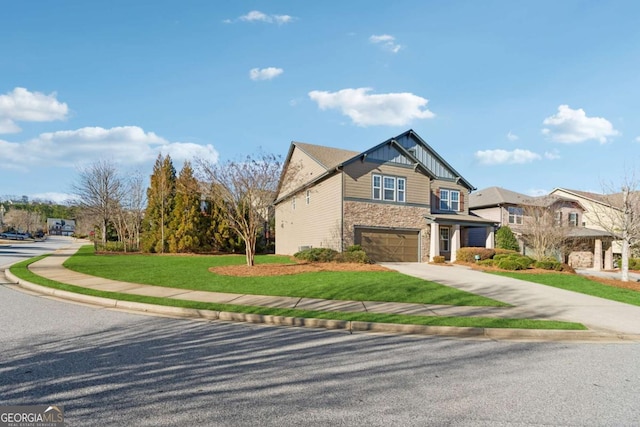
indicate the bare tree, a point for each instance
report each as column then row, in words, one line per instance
column 244, row 191
column 619, row 214
column 23, row 220
column 543, row 227
column 99, row 190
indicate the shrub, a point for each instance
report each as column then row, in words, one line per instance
column 510, row 264
column 487, row 263
column 354, row 248
column 469, row 254
column 549, row 264
column 505, row 239
column 359, row 257
column 505, row 251
column 316, row 255
column 513, row 261
column 568, row 269
column 439, row 259
column 634, row 263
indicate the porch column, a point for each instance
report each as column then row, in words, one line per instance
column 455, row 242
column 490, row 242
column 434, row 246
column 597, row 255
column 608, row 258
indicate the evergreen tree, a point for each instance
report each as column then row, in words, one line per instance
column 505, row 239
column 187, row 225
column 160, row 203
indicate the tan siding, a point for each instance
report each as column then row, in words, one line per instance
column 358, row 181
column 317, row 224
column 493, row 214
column 301, row 169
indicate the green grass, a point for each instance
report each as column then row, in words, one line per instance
column 191, row 272
column 21, row 270
column 581, row 284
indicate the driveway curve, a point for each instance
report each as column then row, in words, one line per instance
column 535, row 300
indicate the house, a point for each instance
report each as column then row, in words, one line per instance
column 399, row 200
column 61, row 227
column 583, row 244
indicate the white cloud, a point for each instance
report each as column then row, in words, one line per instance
column 552, row 155
column 386, row 41
column 573, row 126
column 512, row 136
column 127, row 145
column 364, row 109
column 265, row 73
column 638, row 139
column 20, row 105
column 537, row 192
column 500, row 157
column 54, row 197
column 257, row 16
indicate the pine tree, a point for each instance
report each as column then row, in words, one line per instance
column 160, row 202
column 505, row 239
column 187, row 225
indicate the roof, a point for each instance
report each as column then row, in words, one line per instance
column 328, row 157
column 582, row 232
column 615, row 199
column 494, row 196
column 458, row 218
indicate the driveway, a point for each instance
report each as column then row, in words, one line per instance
column 537, row 301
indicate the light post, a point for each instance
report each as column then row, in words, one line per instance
column 2, row 211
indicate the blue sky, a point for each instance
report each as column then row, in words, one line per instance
column 525, row 95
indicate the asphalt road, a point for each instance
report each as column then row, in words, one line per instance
column 12, row 251
column 112, row 368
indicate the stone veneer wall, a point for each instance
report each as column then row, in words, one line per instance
column 364, row 214
column 582, row 259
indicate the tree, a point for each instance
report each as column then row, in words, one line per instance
column 243, row 191
column 505, row 239
column 22, row 220
column 160, row 200
column 99, row 190
column 187, row 224
column 619, row 214
column 543, row 229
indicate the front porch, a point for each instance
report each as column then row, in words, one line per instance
column 450, row 232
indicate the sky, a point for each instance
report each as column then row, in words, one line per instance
column 528, row 96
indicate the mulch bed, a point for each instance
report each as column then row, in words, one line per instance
column 288, row 269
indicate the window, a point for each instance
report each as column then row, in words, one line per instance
column 308, row 196
column 444, row 239
column 573, row 219
column 449, row 200
column 377, row 187
column 389, row 188
column 558, row 219
column 515, row 215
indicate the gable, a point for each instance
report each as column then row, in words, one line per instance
column 427, row 156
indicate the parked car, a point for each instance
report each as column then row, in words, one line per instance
column 12, row 236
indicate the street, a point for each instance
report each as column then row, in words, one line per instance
column 114, row 368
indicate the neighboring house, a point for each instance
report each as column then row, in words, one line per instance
column 399, row 200
column 509, row 208
column 61, row 227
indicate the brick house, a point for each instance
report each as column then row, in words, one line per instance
column 399, row 199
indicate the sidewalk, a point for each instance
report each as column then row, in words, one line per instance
column 499, row 288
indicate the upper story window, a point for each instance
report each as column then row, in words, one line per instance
column 389, row 188
column 515, row 215
column 573, row 219
column 449, row 200
column 557, row 221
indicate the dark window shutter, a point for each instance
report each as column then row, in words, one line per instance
column 461, row 201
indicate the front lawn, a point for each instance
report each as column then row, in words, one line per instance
column 577, row 283
column 192, row 272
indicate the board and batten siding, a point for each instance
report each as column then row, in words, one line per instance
column 358, row 181
column 302, row 169
column 317, row 224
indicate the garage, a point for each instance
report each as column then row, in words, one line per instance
column 385, row 245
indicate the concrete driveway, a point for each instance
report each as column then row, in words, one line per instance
column 532, row 299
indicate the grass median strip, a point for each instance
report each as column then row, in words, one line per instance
column 579, row 284
column 21, row 271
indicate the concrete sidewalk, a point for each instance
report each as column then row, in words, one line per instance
column 606, row 320
column 51, row 268
column 541, row 301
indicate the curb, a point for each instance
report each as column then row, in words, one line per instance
column 535, row 335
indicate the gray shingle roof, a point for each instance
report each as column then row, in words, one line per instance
column 328, row 157
column 494, row 196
